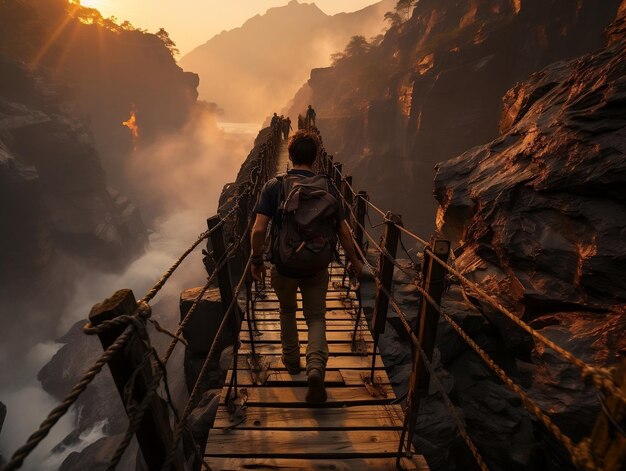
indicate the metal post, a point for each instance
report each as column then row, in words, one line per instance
column 428, row 318
column 337, row 168
column 361, row 211
column 130, row 368
column 347, row 193
column 608, row 439
column 386, row 268
column 329, row 166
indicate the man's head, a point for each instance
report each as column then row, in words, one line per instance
column 302, row 148
column 275, row 114
column 309, row 106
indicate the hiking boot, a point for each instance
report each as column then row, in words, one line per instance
column 317, row 392
column 293, row 368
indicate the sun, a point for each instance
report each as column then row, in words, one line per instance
column 90, row 3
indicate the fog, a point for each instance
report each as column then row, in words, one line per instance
column 178, row 180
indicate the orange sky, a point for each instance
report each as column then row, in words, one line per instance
column 193, row 22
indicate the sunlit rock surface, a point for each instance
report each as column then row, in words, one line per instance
column 433, row 88
column 538, row 218
column 540, row 212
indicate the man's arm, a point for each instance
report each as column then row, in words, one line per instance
column 257, row 239
column 345, row 239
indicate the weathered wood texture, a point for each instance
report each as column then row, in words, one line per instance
column 357, row 428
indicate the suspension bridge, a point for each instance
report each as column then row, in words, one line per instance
column 262, row 421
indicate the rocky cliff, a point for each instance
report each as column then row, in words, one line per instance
column 57, row 207
column 433, row 87
column 108, row 70
column 537, row 216
column 288, row 42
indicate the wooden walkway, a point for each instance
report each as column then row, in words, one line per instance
column 272, row 426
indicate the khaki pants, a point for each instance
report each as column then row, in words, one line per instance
column 313, row 291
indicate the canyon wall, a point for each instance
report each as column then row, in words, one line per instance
column 433, row 88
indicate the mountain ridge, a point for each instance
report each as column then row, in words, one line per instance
column 261, row 64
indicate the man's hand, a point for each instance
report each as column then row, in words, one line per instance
column 258, row 272
column 355, row 268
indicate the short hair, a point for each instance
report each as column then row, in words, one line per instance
column 303, row 147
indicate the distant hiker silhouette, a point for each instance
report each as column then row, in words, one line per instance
column 286, row 127
column 310, row 117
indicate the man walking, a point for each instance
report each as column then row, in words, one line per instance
column 310, row 117
column 307, row 219
column 286, row 127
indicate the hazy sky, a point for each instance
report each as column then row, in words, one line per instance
column 193, row 22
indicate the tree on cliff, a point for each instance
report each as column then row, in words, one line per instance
column 164, row 36
column 357, row 47
column 405, row 6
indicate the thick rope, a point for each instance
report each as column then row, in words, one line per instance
column 197, row 386
column 579, row 453
column 21, row 453
column 601, row 378
column 453, row 412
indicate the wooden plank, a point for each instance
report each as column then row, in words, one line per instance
column 283, row 379
column 330, row 304
column 335, row 362
column 270, row 326
column 269, row 396
column 334, row 295
column 335, row 349
column 416, row 463
column 333, row 378
column 341, row 315
column 355, row 377
column 372, row 417
column 331, row 337
column 305, row 444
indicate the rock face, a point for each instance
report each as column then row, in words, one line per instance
column 108, row 70
column 433, row 87
column 537, row 216
column 540, row 212
column 288, row 42
column 56, row 203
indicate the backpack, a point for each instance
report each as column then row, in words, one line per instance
column 306, row 235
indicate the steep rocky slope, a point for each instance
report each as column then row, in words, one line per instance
column 56, row 204
column 537, row 216
column 107, row 69
column 288, row 42
column 433, row 88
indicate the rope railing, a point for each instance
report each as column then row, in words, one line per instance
column 602, row 378
column 134, row 325
column 415, row 341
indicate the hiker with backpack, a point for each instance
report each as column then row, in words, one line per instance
column 307, row 220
